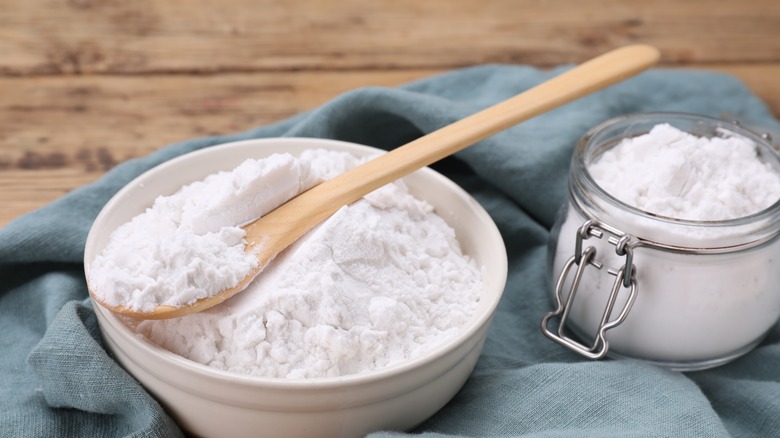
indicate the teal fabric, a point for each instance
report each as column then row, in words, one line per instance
column 57, row 379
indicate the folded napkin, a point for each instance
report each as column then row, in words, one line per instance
column 57, row 379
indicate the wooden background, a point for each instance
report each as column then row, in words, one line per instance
column 86, row 84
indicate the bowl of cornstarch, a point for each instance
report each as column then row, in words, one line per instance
column 372, row 321
column 667, row 249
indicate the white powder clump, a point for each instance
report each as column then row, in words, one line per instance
column 382, row 281
column 675, row 174
column 188, row 245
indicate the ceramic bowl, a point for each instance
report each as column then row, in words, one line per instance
column 210, row 402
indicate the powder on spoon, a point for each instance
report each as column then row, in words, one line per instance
column 189, row 245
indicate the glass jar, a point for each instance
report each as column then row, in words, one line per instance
column 682, row 294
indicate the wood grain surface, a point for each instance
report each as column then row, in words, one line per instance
column 86, row 84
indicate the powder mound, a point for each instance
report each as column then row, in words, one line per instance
column 675, row 174
column 188, row 245
column 382, row 281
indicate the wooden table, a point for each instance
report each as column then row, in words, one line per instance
column 86, row 84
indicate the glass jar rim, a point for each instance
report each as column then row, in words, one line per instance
column 579, row 162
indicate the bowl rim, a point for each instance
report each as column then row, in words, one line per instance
column 482, row 317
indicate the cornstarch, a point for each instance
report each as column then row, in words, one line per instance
column 188, row 245
column 679, row 175
column 693, row 308
column 382, row 281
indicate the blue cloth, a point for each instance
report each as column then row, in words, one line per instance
column 58, row 380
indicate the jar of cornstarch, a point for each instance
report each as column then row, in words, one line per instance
column 667, row 249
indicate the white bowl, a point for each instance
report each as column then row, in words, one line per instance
column 210, row 402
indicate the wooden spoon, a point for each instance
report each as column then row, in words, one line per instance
column 272, row 233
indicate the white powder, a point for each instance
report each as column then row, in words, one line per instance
column 189, row 245
column 382, row 281
column 679, row 175
column 690, row 308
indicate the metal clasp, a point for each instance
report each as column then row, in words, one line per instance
column 625, row 277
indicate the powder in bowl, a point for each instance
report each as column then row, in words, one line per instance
column 382, row 281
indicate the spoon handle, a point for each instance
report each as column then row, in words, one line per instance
column 320, row 202
column 272, row 233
